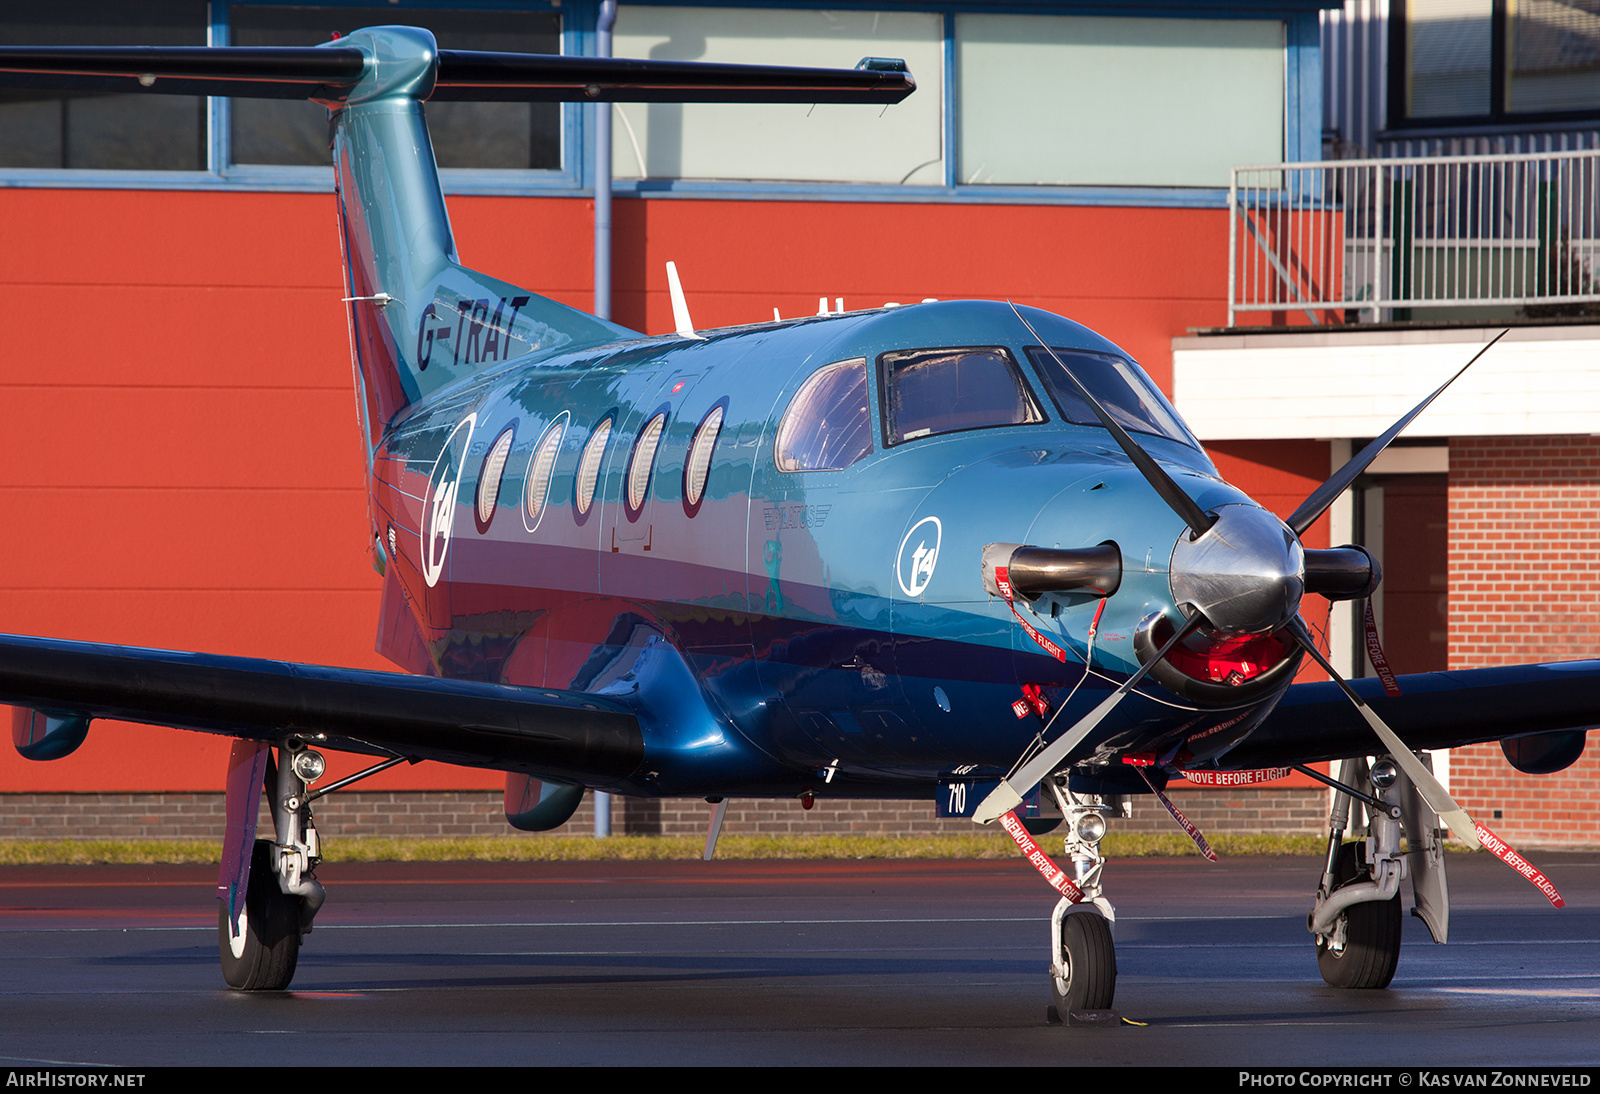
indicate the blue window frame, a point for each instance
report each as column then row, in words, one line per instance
column 572, row 173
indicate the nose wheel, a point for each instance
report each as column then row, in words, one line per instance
column 1085, row 976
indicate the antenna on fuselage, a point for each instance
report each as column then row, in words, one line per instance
column 680, row 306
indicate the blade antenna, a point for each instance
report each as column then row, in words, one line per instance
column 1181, row 503
column 680, row 304
column 1324, row 495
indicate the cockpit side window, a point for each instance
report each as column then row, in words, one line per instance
column 931, row 391
column 1120, row 385
column 828, row 426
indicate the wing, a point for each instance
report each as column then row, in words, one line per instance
column 1434, row 710
column 563, row 735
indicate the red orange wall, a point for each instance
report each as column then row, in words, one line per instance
column 181, row 464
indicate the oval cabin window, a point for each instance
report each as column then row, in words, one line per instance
column 589, row 466
column 697, row 469
column 644, row 458
column 494, row 469
column 540, row 470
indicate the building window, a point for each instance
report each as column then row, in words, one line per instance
column 1476, row 61
column 1036, row 103
column 507, row 136
column 901, row 144
column 1077, row 100
column 73, row 130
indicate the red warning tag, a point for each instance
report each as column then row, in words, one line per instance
column 1183, row 822
column 1002, row 578
column 1237, row 778
column 1380, row 663
column 1501, row 850
column 1057, row 877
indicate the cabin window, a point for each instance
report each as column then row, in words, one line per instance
column 494, row 469
column 697, row 468
column 1120, row 386
column 540, row 469
column 931, row 391
column 589, row 466
column 828, row 426
column 644, row 458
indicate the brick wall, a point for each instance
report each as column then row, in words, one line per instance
column 1524, row 572
column 479, row 813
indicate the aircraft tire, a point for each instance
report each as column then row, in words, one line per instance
column 1372, row 936
column 1091, row 960
column 264, row 958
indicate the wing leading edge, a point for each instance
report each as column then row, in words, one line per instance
column 1316, row 722
column 562, row 735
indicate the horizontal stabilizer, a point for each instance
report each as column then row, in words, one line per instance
column 256, row 72
column 327, row 73
column 570, row 736
column 527, row 77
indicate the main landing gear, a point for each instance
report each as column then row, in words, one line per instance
column 1356, row 919
column 259, row 944
column 1083, row 958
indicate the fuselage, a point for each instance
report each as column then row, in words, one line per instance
column 627, row 520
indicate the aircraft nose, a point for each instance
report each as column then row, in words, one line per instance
column 1245, row 574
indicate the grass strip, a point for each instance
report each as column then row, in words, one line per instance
column 977, row 845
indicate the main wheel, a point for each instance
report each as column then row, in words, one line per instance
column 1090, row 961
column 1371, row 949
column 260, row 953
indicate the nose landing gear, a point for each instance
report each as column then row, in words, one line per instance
column 1083, row 957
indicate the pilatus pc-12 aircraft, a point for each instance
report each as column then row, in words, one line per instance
column 953, row 551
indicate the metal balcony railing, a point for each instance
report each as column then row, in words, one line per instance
column 1364, row 240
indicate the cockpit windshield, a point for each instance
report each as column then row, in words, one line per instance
column 1121, row 387
column 927, row 392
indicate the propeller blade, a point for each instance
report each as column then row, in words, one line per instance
column 1181, row 503
column 1005, row 797
column 1324, row 495
column 1437, row 797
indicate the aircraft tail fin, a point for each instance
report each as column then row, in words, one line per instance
column 418, row 318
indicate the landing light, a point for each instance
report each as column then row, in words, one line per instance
column 1091, row 827
column 309, row 765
